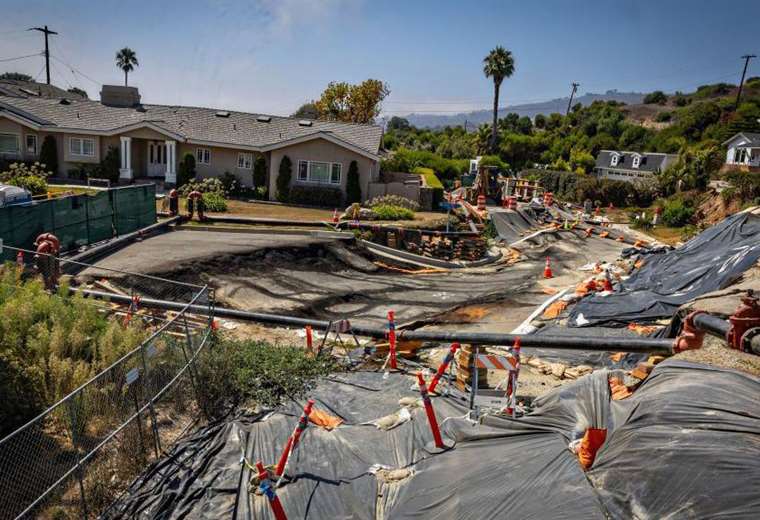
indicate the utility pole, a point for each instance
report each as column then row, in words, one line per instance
column 46, row 32
column 572, row 94
column 746, row 59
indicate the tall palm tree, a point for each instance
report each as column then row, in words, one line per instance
column 499, row 64
column 126, row 60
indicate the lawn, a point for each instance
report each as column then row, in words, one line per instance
column 59, row 191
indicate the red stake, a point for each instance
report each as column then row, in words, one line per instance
column 430, row 412
column 392, row 340
column 443, row 366
column 309, row 339
column 292, row 443
column 265, row 485
column 20, row 259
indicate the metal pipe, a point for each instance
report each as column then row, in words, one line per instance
column 615, row 344
column 712, row 324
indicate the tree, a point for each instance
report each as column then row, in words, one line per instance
column 78, row 92
column 352, row 103
column 126, row 60
column 49, row 154
column 539, row 121
column 260, row 172
column 657, row 97
column 16, row 76
column 353, row 189
column 283, row 179
column 498, row 65
column 398, row 123
column 307, row 111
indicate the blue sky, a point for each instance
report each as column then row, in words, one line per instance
column 272, row 55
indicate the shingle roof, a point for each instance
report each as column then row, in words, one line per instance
column 17, row 88
column 193, row 123
column 650, row 162
column 753, row 138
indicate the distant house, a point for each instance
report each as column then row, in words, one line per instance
column 631, row 166
column 18, row 88
column 152, row 139
column 743, row 151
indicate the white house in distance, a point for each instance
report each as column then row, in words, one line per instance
column 743, row 151
column 631, row 166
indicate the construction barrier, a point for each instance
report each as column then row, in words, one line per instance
column 437, row 439
column 392, row 340
column 79, row 220
column 292, row 443
column 266, row 488
column 443, row 366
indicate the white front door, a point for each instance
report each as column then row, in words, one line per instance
column 156, row 159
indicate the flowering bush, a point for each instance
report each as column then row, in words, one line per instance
column 394, row 200
column 31, row 177
column 204, row 186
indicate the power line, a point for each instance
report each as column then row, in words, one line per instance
column 3, row 60
column 74, row 70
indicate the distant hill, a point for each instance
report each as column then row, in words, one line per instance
column 547, row 107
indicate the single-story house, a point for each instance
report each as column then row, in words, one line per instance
column 631, row 166
column 152, row 139
column 743, row 151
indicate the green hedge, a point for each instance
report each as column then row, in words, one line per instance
column 316, row 196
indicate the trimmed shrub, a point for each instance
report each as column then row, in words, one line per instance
column 186, row 170
column 284, row 175
column 260, row 172
column 316, row 196
column 231, row 184
column 386, row 212
column 109, row 166
column 205, row 186
column 49, row 154
column 353, row 189
column 394, row 200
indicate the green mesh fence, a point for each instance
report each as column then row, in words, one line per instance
column 79, row 220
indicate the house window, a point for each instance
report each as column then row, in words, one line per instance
column 245, row 161
column 31, row 144
column 636, row 161
column 319, row 172
column 335, row 173
column 203, row 156
column 9, row 143
column 614, row 160
column 82, row 146
column 303, row 170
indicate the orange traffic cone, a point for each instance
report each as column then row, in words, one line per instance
column 335, row 216
column 548, row 269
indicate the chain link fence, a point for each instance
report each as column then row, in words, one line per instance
column 78, row 456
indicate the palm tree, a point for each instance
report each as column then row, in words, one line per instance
column 126, row 60
column 498, row 65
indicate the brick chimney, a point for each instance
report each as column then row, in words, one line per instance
column 118, row 96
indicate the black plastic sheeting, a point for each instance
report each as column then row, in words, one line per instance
column 685, row 445
column 711, row 261
column 511, row 225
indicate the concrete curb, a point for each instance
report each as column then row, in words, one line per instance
column 268, row 231
column 265, row 221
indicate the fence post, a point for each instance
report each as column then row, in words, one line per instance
column 74, row 425
column 190, row 368
column 154, row 423
column 474, row 375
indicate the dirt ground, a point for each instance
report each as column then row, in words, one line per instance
column 286, row 212
column 306, row 276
